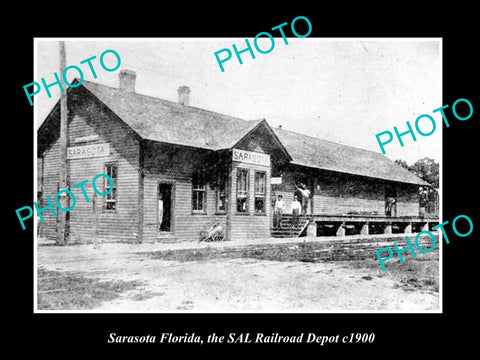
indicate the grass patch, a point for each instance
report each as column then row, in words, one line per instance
column 184, row 255
column 69, row 291
column 278, row 252
column 421, row 273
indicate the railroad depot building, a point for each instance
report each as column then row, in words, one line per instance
column 201, row 168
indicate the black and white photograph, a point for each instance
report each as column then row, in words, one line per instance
column 172, row 178
column 221, row 181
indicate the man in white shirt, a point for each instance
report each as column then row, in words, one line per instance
column 278, row 212
column 296, row 208
column 305, row 195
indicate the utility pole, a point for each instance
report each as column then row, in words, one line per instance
column 228, row 200
column 61, row 223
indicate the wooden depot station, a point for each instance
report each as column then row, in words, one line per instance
column 209, row 168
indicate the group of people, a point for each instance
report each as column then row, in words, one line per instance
column 296, row 208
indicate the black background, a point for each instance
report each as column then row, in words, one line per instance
column 61, row 335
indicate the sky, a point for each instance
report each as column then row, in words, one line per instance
column 337, row 89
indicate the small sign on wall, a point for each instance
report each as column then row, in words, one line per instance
column 88, row 151
column 276, row 180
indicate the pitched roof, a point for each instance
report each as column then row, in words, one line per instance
column 322, row 154
column 169, row 122
column 166, row 121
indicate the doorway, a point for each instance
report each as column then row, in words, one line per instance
column 164, row 206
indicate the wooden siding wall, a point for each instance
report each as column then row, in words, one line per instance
column 51, row 171
column 408, row 200
column 120, row 225
column 341, row 193
column 39, row 174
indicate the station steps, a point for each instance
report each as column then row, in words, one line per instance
column 286, row 230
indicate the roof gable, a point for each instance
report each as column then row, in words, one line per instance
column 262, row 138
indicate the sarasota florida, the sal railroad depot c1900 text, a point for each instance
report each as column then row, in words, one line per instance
column 178, row 171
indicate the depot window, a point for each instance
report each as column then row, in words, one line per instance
column 242, row 191
column 198, row 192
column 111, row 198
column 260, row 191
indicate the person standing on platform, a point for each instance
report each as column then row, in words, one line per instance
column 278, row 212
column 305, row 196
column 296, row 208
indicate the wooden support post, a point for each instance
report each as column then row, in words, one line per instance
column 388, row 228
column 312, row 229
column 408, row 228
column 228, row 203
column 364, row 229
column 341, row 229
column 95, row 220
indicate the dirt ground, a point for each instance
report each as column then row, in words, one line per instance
column 231, row 285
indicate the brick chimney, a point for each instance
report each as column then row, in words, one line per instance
column 183, row 95
column 127, row 80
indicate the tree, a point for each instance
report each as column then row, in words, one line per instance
column 402, row 163
column 428, row 170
